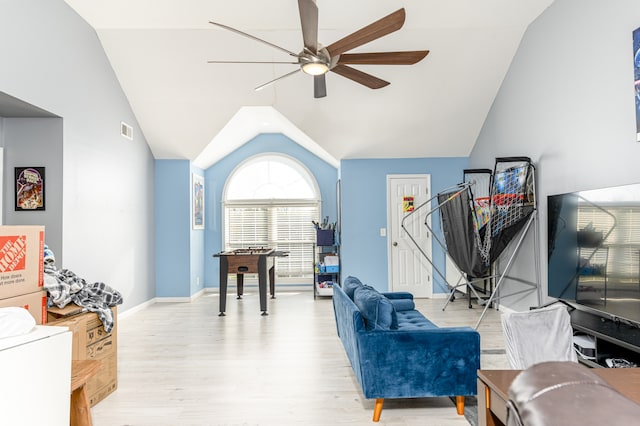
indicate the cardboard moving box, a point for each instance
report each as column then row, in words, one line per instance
column 91, row 341
column 21, row 260
column 35, row 303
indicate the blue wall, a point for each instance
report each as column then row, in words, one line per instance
column 364, row 212
column 184, row 255
column 173, row 245
column 215, row 178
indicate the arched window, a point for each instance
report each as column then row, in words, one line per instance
column 270, row 200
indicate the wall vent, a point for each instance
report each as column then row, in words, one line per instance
column 126, row 131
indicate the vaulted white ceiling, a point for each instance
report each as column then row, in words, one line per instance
column 186, row 106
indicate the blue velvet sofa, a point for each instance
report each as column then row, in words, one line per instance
column 395, row 352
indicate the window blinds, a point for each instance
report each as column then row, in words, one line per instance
column 622, row 253
column 286, row 227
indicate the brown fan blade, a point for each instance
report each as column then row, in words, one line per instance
column 383, row 58
column 309, row 21
column 262, row 86
column 319, row 86
column 381, row 27
column 226, row 27
column 360, row 77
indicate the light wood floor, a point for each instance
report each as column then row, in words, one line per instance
column 181, row 364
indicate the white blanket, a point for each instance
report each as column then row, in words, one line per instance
column 538, row 335
column 15, row 321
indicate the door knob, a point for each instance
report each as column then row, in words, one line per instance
column 395, row 244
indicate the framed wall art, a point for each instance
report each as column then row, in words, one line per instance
column 197, row 201
column 636, row 78
column 29, row 189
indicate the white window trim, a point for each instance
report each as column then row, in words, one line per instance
column 313, row 202
column 299, row 165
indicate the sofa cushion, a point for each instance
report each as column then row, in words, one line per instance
column 350, row 284
column 378, row 312
column 414, row 320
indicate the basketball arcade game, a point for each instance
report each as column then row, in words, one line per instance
column 480, row 218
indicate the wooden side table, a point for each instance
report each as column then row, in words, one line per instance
column 81, row 371
column 493, row 394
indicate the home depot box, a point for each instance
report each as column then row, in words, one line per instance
column 21, row 260
column 35, row 303
column 91, row 341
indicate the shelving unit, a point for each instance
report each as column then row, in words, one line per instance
column 326, row 263
column 613, row 339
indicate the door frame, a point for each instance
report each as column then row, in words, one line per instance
column 426, row 176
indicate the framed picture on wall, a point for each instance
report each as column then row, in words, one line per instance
column 30, row 189
column 636, row 78
column 197, row 201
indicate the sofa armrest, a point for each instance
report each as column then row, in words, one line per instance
column 419, row 363
column 391, row 295
column 401, row 300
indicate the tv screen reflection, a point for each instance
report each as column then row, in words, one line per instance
column 594, row 249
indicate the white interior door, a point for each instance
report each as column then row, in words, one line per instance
column 409, row 269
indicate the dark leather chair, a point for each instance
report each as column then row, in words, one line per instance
column 566, row 393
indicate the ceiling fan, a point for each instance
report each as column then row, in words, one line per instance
column 316, row 60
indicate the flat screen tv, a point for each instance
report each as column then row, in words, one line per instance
column 594, row 250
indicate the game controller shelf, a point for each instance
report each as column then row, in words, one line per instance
column 605, row 342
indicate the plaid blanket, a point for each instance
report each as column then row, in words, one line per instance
column 64, row 286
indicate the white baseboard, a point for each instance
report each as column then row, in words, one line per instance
column 506, row 310
column 143, row 305
column 197, row 294
column 137, row 308
column 439, row 295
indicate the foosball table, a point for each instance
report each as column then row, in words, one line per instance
column 253, row 260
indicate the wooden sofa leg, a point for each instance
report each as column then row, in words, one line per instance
column 460, row 405
column 377, row 410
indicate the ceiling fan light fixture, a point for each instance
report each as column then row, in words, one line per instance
column 315, row 68
column 316, row 60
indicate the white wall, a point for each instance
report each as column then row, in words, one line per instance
column 52, row 59
column 568, row 103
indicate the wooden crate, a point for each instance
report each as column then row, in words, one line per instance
column 91, row 341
